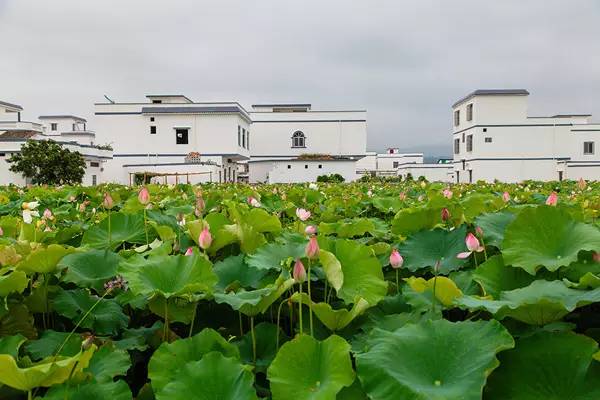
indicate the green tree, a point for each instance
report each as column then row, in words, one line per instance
column 48, row 162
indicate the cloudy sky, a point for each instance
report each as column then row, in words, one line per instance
column 404, row 61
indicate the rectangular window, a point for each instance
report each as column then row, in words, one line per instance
column 588, row 147
column 239, row 135
column 94, row 180
column 153, row 130
column 488, row 140
column 74, row 127
column 289, row 166
column 395, row 164
column 53, row 126
column 320, row 166
column 456, row 117
column 456, row 146
column 470, row 143
column 151, row 119
column 243, row 138
column 248, row 140
column 463, row 137
column 94, row 164
column 305, row 166
column 156, row 101
column 470, row 112
column 181, row 136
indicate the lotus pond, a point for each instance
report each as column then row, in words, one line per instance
column 376, row 291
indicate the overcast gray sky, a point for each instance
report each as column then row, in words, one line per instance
column 404, row 61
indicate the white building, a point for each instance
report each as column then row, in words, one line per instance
column 386, row 164
column 68, row 130
column 441, row 171
column 294, row 143
column 495, row 138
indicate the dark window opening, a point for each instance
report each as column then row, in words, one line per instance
column 488, row 140
column 395, row 164
column 289, row 166
column 456, row 117
column 320, row 166
column 305, row 166
column 463, row 164
column 470, row 112
column 298, row 139
column 239, row 135
column 470, row 176
column 151, row 119
column 463, row 137
column 485, row 129
column 560, row 176
column 588, row 147
column 94, row 164
column 53, row 126
column 456, row 146
column 94, row 180
column 153, row 130
column 181, row 136
column 243, row 138
column 156, row 101
column 470, row 143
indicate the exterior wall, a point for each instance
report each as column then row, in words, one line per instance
column 297, row 171
column 386, row 164
column 367, row 163
column 431, row 172
column 198, row 173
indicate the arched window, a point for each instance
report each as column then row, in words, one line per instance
column 298, row 139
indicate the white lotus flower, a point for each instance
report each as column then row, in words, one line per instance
column 28, row 215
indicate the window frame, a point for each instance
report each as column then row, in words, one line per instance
column 469, row 143
column 183, row 130
column 592, row 150
column 488, row 139
column 470, row 112
column 298, row 140
column 395, row 164
column 53, row 126
column 153, row 129
column 457, row 146
column 456, row 117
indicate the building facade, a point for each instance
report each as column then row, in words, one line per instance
column 386, row 164
column 68, row 130
column 494, row 138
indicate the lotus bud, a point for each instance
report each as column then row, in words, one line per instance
column 479, row 231
column 312, row 248
column 47, row 214
column 445, row 214
column 205, row 239
column 472, row 242
column 144, row 196
column 1, row 231
column 107, row 203
column 302, row 214
column 310, row 230
column 402, row 196
column 87, row 342
column 447, row 193
column 506, row 197
column 189, row 251
column 552, row 199
column 596, row 257
column 200, row 204
column 299, row 273
column 581, row 184
column 396, row 259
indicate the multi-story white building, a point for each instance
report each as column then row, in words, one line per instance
column 294, row 143
column 222, row 142
column 386, row 164
column 494, row 138
column 69, row 130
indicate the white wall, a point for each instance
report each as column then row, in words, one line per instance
column 431, row 172
column 297, row 171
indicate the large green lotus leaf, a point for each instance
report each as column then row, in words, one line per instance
column 479, row 203
column 495, row 277
column 334, row 320
column 549, row 366
column 494, row 225
column 254, row 302
column 347, row 228
column 213, row 377
column 50, row 341
column 106, row 318
column 9, row 256
column 13, row 282
column 91, row 268
column 363, row 277
column 107, row 363
column 546, row 236
column 271, row 255
column 235, row 272
column 44, row 260
column 178, row 308
column 138, row 338
column 45, row 373
column 410, row 220
column 169, row 358
column 388, row 204
column 266, row 345
column 445, row 288
column 169, row 276
column 124, row 228
column 17, row 319
column 261, row 221
column 332, row 268
column 11, row 344
column 90, row 391
column 539, row 303
column 425, row 248
column 432, row 360
column 308, row 369
column 247, row 236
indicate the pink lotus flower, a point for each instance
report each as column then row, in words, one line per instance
column 108, row 201
column 479, row 231
column 47, row 214
column 205, row 239
column 310, row 230
column 312, row 248
column 472, row 245
column 1, row 231
column 552, row 199
column 445, row 214
column 447, row 193
column 144, row 196
column 402, row 196
column 299, row 273
column 189, row 251
column 396, row 259
column 302, row 214
column 253, row 202
column 506, row 197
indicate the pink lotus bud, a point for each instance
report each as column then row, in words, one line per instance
column 1, row 231
column 596, row 257
column 479, row 231
column 200, row 204
column 144, row 196
column 302, row 214
column 108, row 201
column 552, row 199
column 396, row 259
column 581, row 184
column 506, row 197
column 47, row 214
column 189, row 251
column 310, row 230
column 402, row 196
column 472, row 242
column 205, row 239
column 447, row 193
column 445, row 214
column 299, row 273
column 312, row 248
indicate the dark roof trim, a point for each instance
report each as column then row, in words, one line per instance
column 283, row 105
column 76, row 118
column 4, row 103
column 167, row 164
column 196, row 110
column 509, row 126
column 179, row 155
column 493, row 92
column 150, row 96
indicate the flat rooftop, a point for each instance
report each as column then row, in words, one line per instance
column 493, row 92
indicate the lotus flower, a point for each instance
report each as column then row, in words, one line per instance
column 479, row 231
column 396, row 259
column 1, row 231
column 447, row 193
column 200, row 204
column 310, row 230
column 581, row 184
column 253, row 202
column 107, row 203
column 189, row 251
column 402, row 196
column 29, row 211
column 472, row 244
column 144, row 196
column 313, row 186
column 302, row 214
column 299, row 273
column 205, row 239
column 445, row 214
column 47, row 214
column 506, row 197
column 552, row 199
column 312, row 248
